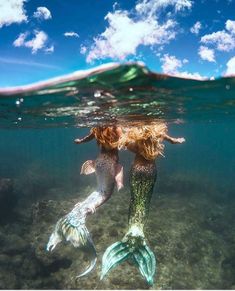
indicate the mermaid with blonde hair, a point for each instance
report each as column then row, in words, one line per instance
column 146, row 142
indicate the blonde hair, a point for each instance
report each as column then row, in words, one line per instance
column 145, row 140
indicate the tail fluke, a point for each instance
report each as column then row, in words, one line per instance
column 146, row 262
column 73, row 229
column 91, row 248
column 114, row 255
column 133, row 248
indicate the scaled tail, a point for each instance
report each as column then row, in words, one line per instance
column 133, row 247
column 72, row 228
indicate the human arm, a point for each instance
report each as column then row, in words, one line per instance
column 87, row 138
column 173, row 140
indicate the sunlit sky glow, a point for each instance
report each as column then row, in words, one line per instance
column 44, row 39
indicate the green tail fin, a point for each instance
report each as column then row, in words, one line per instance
column 146, row 262
column 114, row 255
column 132, row 249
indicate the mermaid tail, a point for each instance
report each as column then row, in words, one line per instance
column 72, row 228
column 133, row 246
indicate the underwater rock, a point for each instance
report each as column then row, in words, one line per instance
column 8, row 280
column 4, row 260
column 16, row 261
column 6, row 186
column 14, row 244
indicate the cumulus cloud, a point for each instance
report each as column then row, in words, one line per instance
column 42, row 13
column 151, row 7
column 20, row 40
column 206, row 54
column 126, row 31
column 196, row 27
column 124, row 35
column 12, row 11
column 230, row 67
column 71, row 34
column 38, row 42
column 194, row 76
column 223, row 40
column 171, row 66
column 230, row 26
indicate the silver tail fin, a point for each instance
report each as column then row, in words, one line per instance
column 72, row 228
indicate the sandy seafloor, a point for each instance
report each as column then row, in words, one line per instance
column 191, row 225
column 192, row 235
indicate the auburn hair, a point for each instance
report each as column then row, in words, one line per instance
column 107, row 136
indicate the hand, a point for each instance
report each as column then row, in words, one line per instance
column 180, row 140
column 77, row 140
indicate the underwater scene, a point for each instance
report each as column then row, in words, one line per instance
column 118, row 178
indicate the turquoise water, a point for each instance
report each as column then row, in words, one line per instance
column 191, row 226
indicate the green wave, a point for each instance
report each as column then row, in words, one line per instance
column 115, row 93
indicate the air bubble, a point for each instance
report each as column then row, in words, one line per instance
column 97, row 94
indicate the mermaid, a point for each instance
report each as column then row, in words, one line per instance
column 146, row 142
column 108, row 172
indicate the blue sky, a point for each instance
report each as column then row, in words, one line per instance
column 44, row 39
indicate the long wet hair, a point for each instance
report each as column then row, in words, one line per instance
column 143, row 139
column 107, row 136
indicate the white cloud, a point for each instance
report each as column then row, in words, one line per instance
column 126, row 31
column 20, row 40
column 151, row 7
column 50, row 49
column 222, row 40
column 71, row 34
column 230, row 67
column 83, row 49
column 42, row 13
column 12, row 11
column 196, row 27
column 187, row 75
column 170, row 66
column 124, row 35
column 230, row 26
column 36, row 43
column 206, row 54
